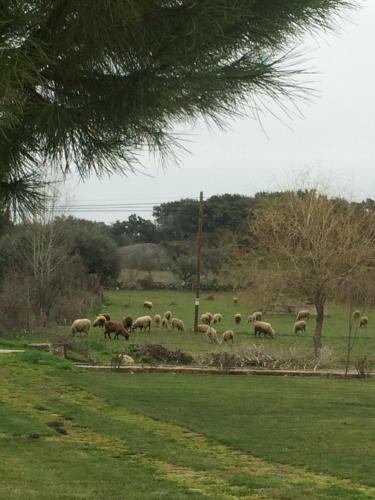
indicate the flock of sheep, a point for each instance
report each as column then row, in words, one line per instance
column 167, row 321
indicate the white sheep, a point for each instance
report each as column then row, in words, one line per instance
column 99, row 321
column 202, row 328
column 212, row 335
column 157, row 319
column 165, row 323
column 356, row 315
column 299, row 326
column 363, row 322
column 217, row 318
column 168, row 315
column 143, row 323
column 256, row 316
column 205, row 319
column 263, row 327
column 210, row 316
column 228, row 336
column 304, row 314
column 147, row 304
column 237, row 318
column 178, row 324
column 81, row 326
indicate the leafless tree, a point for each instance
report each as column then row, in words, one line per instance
column 313, row 244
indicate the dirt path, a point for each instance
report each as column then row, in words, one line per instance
column 144, row 368
column 10, row 351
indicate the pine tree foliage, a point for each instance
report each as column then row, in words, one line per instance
column 92, row 82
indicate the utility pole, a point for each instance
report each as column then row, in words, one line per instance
column 199, row 259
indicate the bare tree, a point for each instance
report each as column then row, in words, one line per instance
column 313, row 244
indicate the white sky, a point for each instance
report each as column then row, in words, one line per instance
column 335, row 136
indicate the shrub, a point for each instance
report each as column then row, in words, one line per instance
column 156, row 353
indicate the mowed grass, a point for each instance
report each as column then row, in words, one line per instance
column 169, row 436
column 182, row 306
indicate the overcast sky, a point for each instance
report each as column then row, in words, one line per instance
column 335, row 137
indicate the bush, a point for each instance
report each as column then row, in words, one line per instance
column 156, row 353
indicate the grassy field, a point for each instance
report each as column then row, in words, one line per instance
column 182, row 306
column 69, row 434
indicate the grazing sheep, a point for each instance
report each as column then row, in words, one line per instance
column 237, row 318
column 304, row 314
column 263, row 327
column 228, row 336
column 81, row 326
column 356, row 315
column 143, row 322
column 299, row 326
column 116, row 328
column 106, row 315
column 147, row 304
column 235, row 301
column 168, row 315
column 178, row 324
column 363, row 322
column 256, row 316
column 157, row 319
column 165, row 323
column 212, row 335
column 99, row 321
column 217, row 318
column 127, row 321
column 202, row 328
column 210, row 316
column 205, row 319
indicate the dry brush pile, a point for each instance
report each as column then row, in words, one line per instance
column 262, row 357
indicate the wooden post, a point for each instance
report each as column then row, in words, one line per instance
column 199, row 260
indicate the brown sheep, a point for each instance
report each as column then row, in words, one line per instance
column 116, row 328
column 127, row 321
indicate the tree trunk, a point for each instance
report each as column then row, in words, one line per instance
column 318, row 327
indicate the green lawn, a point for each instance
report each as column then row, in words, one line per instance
column 182, row 306
column 167, row 436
